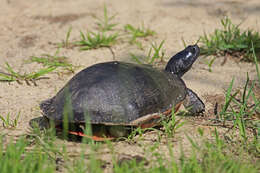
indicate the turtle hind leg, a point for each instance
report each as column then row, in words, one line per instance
column 193, row 103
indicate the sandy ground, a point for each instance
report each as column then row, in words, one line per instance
column 30, row 27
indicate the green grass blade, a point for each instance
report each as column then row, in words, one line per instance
column 256, row 63
column 41, row 72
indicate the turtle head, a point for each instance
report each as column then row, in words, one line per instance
column 182, row 61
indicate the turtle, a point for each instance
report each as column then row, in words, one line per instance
column 120, row 94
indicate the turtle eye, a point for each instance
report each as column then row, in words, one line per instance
column 193, row 50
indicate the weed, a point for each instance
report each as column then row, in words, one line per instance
column 96, row 40
column 172, row 125
column 210, row 63
column 55, row 60
column 231, row 40
column 66, row 43
column 140, row 32
column 137, row 131
column 11, row 75
column 158, row 54
column 104, row 24
column 8, row 122
column 240, row 110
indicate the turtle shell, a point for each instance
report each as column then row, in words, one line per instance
column 116, row 93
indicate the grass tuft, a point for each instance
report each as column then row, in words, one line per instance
column 11, row 75
column 242, row 112
column 65, row 43
column 155, row 53
column 138, row 32
column 55, row 61
column 96, row 40
column 231, row 40
column 210, row 63
column 171, row 125
column 9, row 123
column 104, row 24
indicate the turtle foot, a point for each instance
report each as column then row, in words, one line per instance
column 193, row 103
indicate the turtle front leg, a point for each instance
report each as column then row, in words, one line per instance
column 193, row 103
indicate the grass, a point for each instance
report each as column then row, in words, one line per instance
column 241, row 112
column 53, row 61
column 104, row 36
column 105, row 24
column 256, row 63
column 11, row 75
column 156, row 53
column 210, row 63
column 138, row 32
column 100, row 38
column 45, row 156
column 96, row 40
column 66, row 43
column 171, row 125
column 15, row 158
column 9, row 123
column 207, row 156
column 214, row 157
column 231, row 40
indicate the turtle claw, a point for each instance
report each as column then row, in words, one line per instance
column 193, row 103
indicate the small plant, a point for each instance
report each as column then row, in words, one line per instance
column 140, row 32
column 210, row 63
column 239, row 110
column 65, row 43
column 158, row 54
column 138, row 131
column 171, row 125
column 96, row 40
column 104, row 24
column 232, row 41
column 11, row 75
column 56, row 61
column 8, row 122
